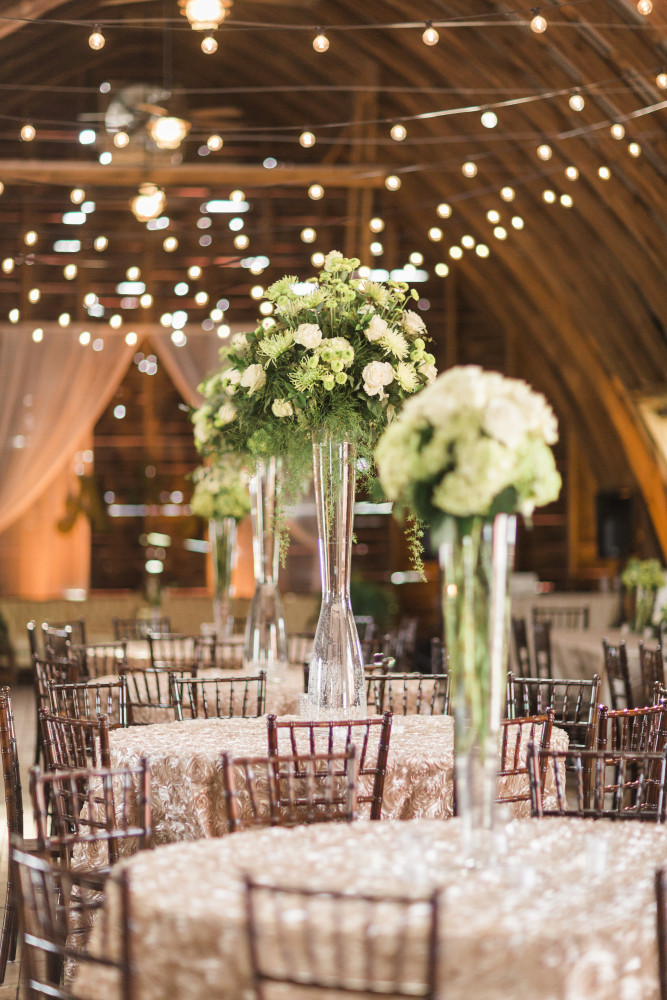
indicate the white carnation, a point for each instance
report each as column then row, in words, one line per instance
column 308, row 335
column 239, row 342
column 225, row 414
column 413, row 323
column 253, row 378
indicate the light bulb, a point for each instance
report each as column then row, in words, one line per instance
column 416, row 257
column 392, row 182
column 133, row 273
column 30, row 238
column 148, row 203
column 617, row 131
column 604, row 173
column 435, row 234
column 170, row 244
column 661, row 80
column 489, row 119
column 376, row 225
column 100, row 243
column 444, row 210
column 34, row 295
column 507, row 193
column 146, row 300
column 544, row 152
column 482, row 250
column 8, row 265
column 549, row 196
column 96, row 39
column 28, row 133
column 194, row 271
column 634, row 149
column 237, row 195
column 493, row 216
column 500, row 233
column 571, row 173
column 517, row 222
column 645, row 7
column 316, row 191
column 320, row 41
column 77, row 195
column 455, row 253
column 84, row 338
column 209, row 45
column 538, row 23
column 376, row 248
column 441, row 270
column 430, row 35
column 398, row 132
column 566, row 200
column 308, row 235
column 469, row 169
column 241, row 242
column 307, row 139
column 201, row 298
column 468, row 242
column 70, row 271
column 167, row 132
column 205, row 15
column 577, row 102
column 214, row 142
column 38, row 334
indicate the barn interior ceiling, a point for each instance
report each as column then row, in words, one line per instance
column 157, row 175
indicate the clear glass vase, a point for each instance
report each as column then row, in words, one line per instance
column 336, row 685
column 222, row 539
column 476, row 556
column 644, row 605
column 265, row 645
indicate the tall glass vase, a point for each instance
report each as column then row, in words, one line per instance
column 476, row 556
column 336, row 685
column 265, row 644
column 222, row 539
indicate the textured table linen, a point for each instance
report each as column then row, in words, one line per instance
column 187, row 778
column 564, row 910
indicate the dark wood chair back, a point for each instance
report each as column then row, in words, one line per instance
column 652, row 668
column 623, row 785
column 642, row 730
column 334, row 736
column 393, row 953
column 173, row 650
column 132, row 629
column 575, row 617
column 439, row 657
column 99, row 807
column 212, row 653
column 410, row 694
column 521, row 647
column 290, row 790
column 99, row 659
column 50, row 904
column 515, row 736
column 575, row 704
column 219, row 697
column 71, row 744
column 89, row 699
column 542, row 649
column 150, row 688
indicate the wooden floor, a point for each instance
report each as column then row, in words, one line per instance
column 23, row 704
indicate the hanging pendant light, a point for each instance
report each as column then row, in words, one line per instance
column 148, row 203
column 205, row 15
column 168, row 131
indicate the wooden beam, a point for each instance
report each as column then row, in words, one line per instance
column 72, row 172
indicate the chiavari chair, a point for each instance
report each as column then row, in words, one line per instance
column 618, row 675
column 515, row 736
column 219, row 697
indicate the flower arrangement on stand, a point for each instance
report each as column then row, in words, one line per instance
column 643, row 578
column 317, row 383
column 467, row 454
column 221, row 497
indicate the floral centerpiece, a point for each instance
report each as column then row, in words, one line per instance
column 467, row 454
column 340, row 354
column 316, row 383
column 221, row 496
column 643, row 578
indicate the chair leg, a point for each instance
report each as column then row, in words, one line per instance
column 9, row 938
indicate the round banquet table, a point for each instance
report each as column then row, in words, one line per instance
column 564, row 910
column 185, row 761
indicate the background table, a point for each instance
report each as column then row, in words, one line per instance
column 566, row 912
column 579, row 654
column 187, row 778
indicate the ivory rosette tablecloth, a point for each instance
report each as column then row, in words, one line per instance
column 564, row 911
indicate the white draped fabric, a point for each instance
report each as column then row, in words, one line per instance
column 51, row 395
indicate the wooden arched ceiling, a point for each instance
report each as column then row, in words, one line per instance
column 579, row 291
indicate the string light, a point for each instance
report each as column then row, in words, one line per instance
column 14, row 316
column 376, row 249
column 30, row 238
column 308, row 235
column 493, row 216
column 84, row 338
column 549, row 196
column 577, row 102
column 8, row 265
column 645, row 7
column 100, row 243
column 604, row 173
column 507, row 193
column 70, row 271
column 571, row 173
column 442, row 270
column 444, row 210
column 170, row 244
column 28, row 132
column 566, row 200
column 661, row 80
column 482, row 250
column 469, row 169
column 64, row 319
column 517, row 222
column 500, row 233
column 435, row 234
column 416, row 258
column 209, row 45
column 315, row 192
column 167, row 132
column 538, row 23
column 77, row 195
column 617, row 131
column 634, row 149
column 320, row 41
column 37, row 334
column 34, row 295
column 489, row 119
column 307, row 139
column 544, row 152
column 146, row 300
column 392, row 182
column 376, row 225
column 194, row 271
column 201, row 298
column 430, row 36
column 148, row 203
column 96, row 39
column 398, row 132
column 214, row 143
column 131, row 338
column 468, row 242
column 133, row 273
column 241, row 242
column 455, row 253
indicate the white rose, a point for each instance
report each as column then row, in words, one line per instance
column 225, row 414
column 376, row 375
column 413, row 323
column 233, row 376
column 239, row 342
column 282, row 408
column 253, row 378
column 376, row 328
column 428, row 371
column 308, row 335
column 504, row 421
